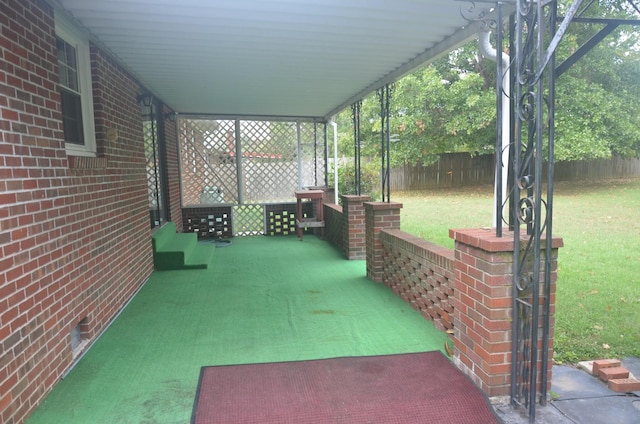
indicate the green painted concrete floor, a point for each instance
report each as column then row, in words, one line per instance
column 263, row 299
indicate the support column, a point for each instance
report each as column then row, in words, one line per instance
column 356, row 108
column 354, row 230
column 384, row 95
column 483, row 306
column 379, row 216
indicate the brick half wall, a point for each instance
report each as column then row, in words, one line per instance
column 345, row 226
column 421, row 273
column 333, row 225
column 467, row 290
column 484, row 307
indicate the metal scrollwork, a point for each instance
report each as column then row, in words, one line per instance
column 533, row 39
column 527, row 107
column 524, row 283
column 525, row 182
column 533, row 25
column 384, row 96
column 526, row 210
column 474, row 13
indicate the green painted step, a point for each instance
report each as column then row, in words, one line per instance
column 174, row 251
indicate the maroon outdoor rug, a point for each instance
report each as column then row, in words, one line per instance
column 404, row 389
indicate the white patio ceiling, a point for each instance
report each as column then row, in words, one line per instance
column 293, row 58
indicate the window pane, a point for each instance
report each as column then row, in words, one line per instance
column 61, row 50
column 71, row 57
column 70, row 93
column 67, row 65
column 62, row 73
column 72, row 117
column 72, row 75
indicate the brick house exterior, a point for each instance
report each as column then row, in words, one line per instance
column 75, row 238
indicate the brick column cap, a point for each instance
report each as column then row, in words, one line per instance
column 382, row 206
column 355, row 197
column 486, row 239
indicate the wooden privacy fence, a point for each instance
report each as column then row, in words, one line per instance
column 462, row 169
column 451, row 170
column 600, row 169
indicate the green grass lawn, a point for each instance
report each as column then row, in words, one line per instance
column 598, row 290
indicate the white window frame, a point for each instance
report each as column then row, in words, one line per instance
column 76, row 38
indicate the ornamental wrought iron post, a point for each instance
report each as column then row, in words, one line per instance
column 156, row 163
column 299, row 154
column 499, row 205
column 384, row 95
column 511, row 201
column 315, row 153
column 325, row 153
column 356, row 109
column 534, row 40
column 237, row 131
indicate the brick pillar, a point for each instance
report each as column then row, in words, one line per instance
column 379, row 216
column 483, row 307
column 353, row 231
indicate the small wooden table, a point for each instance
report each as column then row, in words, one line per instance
column 317, row 197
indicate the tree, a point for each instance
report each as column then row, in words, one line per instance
column 429, row 115
column 449, row 106
column 598, row 98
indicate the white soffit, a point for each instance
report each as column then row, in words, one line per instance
column 294, row 58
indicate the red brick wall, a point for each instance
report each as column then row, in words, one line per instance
column 483, row 307
column 421, row 273
column 120, row 211
column 345, row 226
column 354, row 226
column 74, row 232
column 333, row 227
column 467, row 290
column 378, row 216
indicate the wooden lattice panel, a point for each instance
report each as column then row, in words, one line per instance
column 152, row 161
column 248, row 220
column 311, row 154
column 273, row 158
column 269, row 161
column 208, row 161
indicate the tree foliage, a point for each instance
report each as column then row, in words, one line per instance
column 369, row 179
column 598, row 98
column 450, row 105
